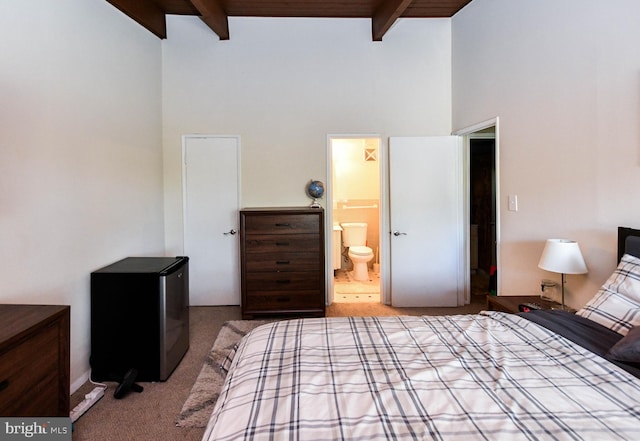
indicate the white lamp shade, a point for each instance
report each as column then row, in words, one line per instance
column 562, row 256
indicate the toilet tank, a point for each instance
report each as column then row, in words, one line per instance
column 354, row 234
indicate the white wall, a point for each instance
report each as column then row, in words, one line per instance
column 564, row 79
column 80, row 138
column 284, row 84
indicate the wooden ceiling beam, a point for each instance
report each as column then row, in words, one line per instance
column 146, row 13
column 213, row 15
column 386, row 15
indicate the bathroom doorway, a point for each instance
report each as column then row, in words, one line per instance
column 354, row 163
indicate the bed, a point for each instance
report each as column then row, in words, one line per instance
column 494, row 376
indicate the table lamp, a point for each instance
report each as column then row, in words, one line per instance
column 562, row 256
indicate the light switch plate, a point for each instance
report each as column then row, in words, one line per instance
column 513, row 202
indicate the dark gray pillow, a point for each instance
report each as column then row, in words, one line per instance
column 628, row 347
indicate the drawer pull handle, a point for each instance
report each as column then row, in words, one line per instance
column 4, row 384
column 283, row 224
column 283, row 281
column 282, row 299
column 282, row 244
column 282, row 262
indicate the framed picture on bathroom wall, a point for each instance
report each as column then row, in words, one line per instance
column 370, row 154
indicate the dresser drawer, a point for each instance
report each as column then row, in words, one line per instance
column 283, row 267
column 282, row 262
column 277, row 224
column 265, row 243
column 285, row 281
column 28, row 376
column 283, row 300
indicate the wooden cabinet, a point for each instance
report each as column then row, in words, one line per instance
column 282, row 262
column 34, row 360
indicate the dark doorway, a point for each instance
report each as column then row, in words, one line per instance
column 482, row 215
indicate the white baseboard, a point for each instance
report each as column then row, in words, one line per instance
column 80, row 381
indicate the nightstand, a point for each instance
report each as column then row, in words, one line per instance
column 510, row 303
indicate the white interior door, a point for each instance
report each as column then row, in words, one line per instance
column 211, row 203
column 425, row 194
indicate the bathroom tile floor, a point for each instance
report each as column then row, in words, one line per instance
column 347, row 290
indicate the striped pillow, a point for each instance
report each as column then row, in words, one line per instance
column 617, row 303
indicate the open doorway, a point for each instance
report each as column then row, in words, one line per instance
column 482, row 208
column 482, row 212
column 355, row 215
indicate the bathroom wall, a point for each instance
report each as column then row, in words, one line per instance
column 356, row 186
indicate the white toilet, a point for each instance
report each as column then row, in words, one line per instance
column 354, row 237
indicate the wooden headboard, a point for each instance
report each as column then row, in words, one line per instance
column 628, row 242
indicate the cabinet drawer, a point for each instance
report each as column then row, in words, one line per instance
column 282, row 262
column 28, row 376
column 264, row 243
column 283, row 300
column 276, row 224
column 285, row 281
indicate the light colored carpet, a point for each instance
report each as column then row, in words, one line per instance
column 206, row 390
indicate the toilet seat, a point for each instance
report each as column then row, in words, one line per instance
column 361, row 251
column 359, row 256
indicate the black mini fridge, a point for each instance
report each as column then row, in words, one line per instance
column 139, row 318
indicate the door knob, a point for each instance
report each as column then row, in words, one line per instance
column 231, row 232
column 397, row 233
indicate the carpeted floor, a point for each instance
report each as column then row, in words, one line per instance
column 204, row 393
column 152, row 414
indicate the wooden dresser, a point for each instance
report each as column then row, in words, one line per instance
column 34, row 360
column 282, row 262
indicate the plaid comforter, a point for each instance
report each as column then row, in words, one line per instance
column 490, row 376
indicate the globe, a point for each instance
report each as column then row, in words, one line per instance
column 315, row 190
